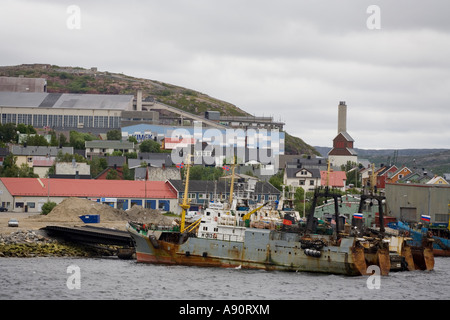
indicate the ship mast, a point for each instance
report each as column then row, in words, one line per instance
column 232, row 182
column 186, row 202
column 328, row 174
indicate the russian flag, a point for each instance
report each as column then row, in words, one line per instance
column 180, row 165
column 425, row 218
column 358, row 215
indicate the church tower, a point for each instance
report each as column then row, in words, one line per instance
column 342, row 150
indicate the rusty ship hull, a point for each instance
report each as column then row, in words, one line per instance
column 261, row 249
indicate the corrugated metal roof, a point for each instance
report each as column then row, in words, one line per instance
column 39, row 150
column 88, row 188
column 221, row 186
column 66, row 100
column 113, row 144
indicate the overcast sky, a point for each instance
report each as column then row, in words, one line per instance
column 293, row 60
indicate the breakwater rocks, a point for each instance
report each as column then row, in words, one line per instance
column 33, row 244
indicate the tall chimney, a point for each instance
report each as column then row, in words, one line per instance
column 342, row 117
column 139, row 100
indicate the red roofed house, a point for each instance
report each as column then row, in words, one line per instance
column 333, row 179
column 29, row 194
column 173, row 143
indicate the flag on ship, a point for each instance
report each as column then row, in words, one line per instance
column 288, row 219
column 358, row 215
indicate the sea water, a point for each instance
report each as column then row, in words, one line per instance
column 46, row 278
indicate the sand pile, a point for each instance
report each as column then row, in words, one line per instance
column 140, row 214
column 70, row 209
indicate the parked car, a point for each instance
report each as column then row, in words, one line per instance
column 3, row 209
column 13, row 223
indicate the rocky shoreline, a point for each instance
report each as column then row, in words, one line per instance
column 33, row 243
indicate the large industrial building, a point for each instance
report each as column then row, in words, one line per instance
column 64, row 110
column 30, row 194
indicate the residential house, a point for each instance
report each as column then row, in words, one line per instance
column 399, row 174
column 72, row 170
column 438, row 180
column 420, row 176
column 157, row 173
column 304, row 172
column 114, row 163
column 203, row 191
column 105, row 147
column 174, row 143
column 41, row 165
column 334, row 179
column 384, row 173
column 306, row 178
column 39, row 158
column 3, row 153
column 159, row 160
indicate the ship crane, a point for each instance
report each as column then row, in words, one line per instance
column 186, row 204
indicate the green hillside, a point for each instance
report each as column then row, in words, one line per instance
column 80, row 80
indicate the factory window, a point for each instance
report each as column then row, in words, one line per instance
column 441, row 217
column 39, row 121
column 50, row 120
column 87, row 121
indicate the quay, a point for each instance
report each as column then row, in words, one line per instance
column 91, row 235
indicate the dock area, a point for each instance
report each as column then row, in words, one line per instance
column 91, row 235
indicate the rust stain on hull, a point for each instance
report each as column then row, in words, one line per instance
column 359, row 260
column 407, row 254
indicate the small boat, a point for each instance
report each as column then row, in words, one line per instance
column 419, row 233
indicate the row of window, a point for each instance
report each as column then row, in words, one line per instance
column 302, row 182
column 71, row 121
column 206, row 196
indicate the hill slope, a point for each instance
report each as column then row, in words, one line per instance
column 79, row 80
column 435, row 160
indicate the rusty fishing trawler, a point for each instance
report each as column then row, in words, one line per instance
column 224, row 237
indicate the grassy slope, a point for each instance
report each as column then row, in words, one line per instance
column 79, row 80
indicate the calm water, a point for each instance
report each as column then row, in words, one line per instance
column 111, row 278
